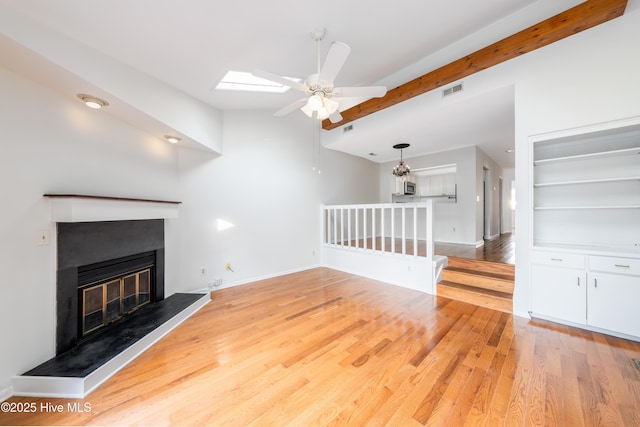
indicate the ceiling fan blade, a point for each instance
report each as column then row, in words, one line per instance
column 291, row 107
column 335, row 117
column 337, row 55
column 279, row 79
column 360, row 92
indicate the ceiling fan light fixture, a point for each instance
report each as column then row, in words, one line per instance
column 315, row 102
column 307, row 110
column 331, row 105
column 320, row 94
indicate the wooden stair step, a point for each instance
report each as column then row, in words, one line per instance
column 489, row 281
column 484, row 266
column 495, row 300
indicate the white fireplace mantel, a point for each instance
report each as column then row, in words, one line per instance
column 82, row 208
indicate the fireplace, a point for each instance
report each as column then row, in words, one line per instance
column 111, row 290
column 106, row 271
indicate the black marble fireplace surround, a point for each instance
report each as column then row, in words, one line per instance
column 86, row 250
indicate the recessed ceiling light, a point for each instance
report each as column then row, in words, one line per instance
column 239, row 80
column 92, row 101
column 172, row 139
column 509, row 150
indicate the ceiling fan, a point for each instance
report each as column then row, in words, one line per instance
column 321, row 97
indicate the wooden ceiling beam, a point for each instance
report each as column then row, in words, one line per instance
column 579, row 18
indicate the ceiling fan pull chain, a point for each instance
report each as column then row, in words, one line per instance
column 318, row 54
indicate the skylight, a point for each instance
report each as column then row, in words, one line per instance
column 239, row 80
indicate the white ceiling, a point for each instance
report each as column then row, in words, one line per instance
column 190, row 44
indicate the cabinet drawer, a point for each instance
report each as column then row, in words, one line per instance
column 608, row 264
column 560, row 259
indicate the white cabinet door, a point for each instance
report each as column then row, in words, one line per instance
column 559, row 293
column 614, row 302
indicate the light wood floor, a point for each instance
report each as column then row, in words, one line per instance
column 326, row 348
column 501, row 249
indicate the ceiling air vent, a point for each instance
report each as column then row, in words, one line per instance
column 452, row 90
column 348, row 128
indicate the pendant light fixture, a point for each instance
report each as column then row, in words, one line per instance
column 401, row 169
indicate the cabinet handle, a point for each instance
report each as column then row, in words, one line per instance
column 556, row 259
column 578, row 281
column 622, row 266
column 595, row 282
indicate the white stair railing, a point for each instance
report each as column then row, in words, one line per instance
column 389, row 228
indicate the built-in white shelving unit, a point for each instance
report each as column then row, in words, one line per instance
column 586, row 189
column 585, row 227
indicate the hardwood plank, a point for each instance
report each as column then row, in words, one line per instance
column 360, row 352
column 482, row 262
column 478, row 280
column 489, row 299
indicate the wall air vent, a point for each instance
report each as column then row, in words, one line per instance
column 347, row 128
column 452, row 90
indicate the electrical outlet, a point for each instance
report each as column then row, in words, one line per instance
column 203, row 271
column 211, row 285
column 218, row 282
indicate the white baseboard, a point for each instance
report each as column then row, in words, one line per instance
column 458, row 242
column 258, row 278
column 6, row 393
column 524, row 314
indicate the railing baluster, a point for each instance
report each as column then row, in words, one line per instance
column 342, row 226
column 382, row 234
column 349, row 227
column 429, row 221
column 364, row 227
column 335, row 226
column 415, row 230
column 404, row 231
column 393, row 230
column 357, row 227
column 373, row 228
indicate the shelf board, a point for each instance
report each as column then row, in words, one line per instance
column 601, row 154
column 560, row 208
column 587, row 181
column 602, row 248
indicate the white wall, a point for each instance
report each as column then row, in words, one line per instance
column 492, row 196
column 588, row 78
column 264, row 185
column 52, row 144
column 508, row 177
